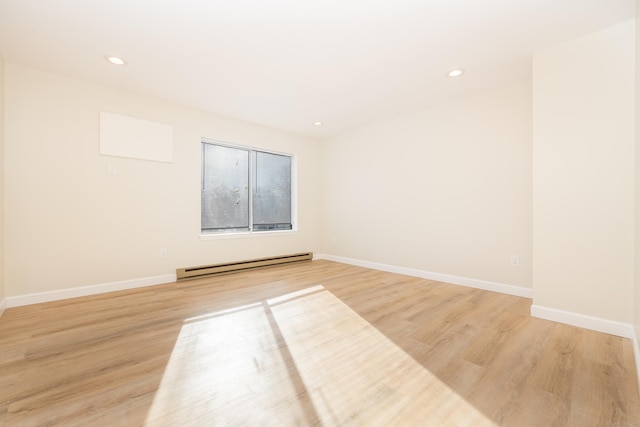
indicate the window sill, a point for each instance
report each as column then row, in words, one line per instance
column 247, row 235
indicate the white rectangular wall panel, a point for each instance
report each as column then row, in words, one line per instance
column 125, row 136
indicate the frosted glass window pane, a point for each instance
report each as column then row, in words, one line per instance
column 225, row 188
column 271, row 192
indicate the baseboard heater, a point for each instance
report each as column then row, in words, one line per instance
column 229, row 267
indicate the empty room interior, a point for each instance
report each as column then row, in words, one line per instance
column 306, row 213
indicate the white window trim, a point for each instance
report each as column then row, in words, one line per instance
column 294, row 198
column 247, row 234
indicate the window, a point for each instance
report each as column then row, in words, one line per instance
column 245, row 190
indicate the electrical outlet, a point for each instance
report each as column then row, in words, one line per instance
column 515, row 261
column 112, row 169
column 164, row 253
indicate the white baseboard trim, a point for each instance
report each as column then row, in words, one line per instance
column 83, row 291
column 3, row 306
column 447, row 278
column 620, row 329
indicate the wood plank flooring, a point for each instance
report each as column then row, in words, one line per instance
column 311, row 344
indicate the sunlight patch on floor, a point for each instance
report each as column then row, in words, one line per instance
column 304, row 358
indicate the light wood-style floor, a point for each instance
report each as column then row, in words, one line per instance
column 311, row 344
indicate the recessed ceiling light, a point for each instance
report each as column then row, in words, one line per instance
column 455, row 73
column 317, row 123
column 115, row 60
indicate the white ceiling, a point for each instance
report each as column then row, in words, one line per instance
column 288, row 63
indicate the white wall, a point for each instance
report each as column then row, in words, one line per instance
column 583, row 175
column 73, row 224
column 446, row 190
column 637, row 190
column 2, row 291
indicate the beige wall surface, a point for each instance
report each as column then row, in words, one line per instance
column 2, row 291
column 446, row 190
column 583, row 175
column 637, row 184
column 73, row 224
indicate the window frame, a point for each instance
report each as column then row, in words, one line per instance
column 251, row 233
